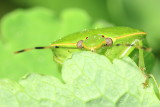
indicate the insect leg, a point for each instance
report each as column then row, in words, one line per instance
column 152, row 81
column 138, row 45
column 141, row 57
column 142, row 64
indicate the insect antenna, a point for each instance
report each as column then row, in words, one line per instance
column 136, row 46
column 45, row 47
column 29, row 49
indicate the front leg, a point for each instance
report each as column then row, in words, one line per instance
column 136, row 44
column 141, row 56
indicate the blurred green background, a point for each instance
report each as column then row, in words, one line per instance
column 29, row 23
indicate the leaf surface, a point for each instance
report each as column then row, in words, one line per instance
column 90, row 80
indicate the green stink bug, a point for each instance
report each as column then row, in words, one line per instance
column 113, row 42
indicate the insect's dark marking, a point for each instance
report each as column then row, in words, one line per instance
column 102, row 36
column 20, row 51
column 133, row 45
column 69, row 51
column 86, row 37
column 145, row 84
column 130, row 45
column 124, row 44
column 39, row 47
column 144, row 48
column 56, row 47
column 118, row 44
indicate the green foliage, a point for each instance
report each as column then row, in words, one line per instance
column 90, row 80
column 95, row 8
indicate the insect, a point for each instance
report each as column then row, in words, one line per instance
column 113, row 42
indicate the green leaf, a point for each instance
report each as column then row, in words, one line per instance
column 96, row 8
column 74, row 20
column 156, row 72
column 90, row 80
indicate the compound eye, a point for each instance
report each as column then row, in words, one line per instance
column 109, row 42
column 80, row 44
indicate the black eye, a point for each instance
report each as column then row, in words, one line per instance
column 109, row 42
column 102, row 36
column 80, row 44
